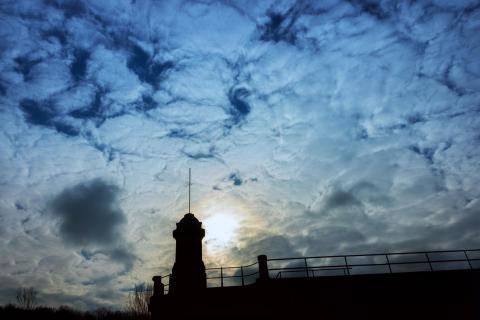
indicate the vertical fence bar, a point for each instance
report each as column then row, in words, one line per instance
column 241, row 272
column 306, row 267
column 221, row 277
column 346, row 265
column 429, row 262
column 468, row 259
column 388, row 263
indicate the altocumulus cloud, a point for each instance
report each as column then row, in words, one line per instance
column 327, row 126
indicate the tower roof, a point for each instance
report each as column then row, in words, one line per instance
column 189, row 218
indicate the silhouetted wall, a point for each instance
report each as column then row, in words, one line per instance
column 417, row 295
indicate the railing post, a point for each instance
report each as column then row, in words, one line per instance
column 429, row 262
column 306, row 267
column 158, row 286
column 346, row 265
column 263, row 267
column 468, row 259
column 241, row 272
column 388, row 262
column 155, row 300
column 221, row 277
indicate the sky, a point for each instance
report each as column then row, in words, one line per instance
column 311, row 128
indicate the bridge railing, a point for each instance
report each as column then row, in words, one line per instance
column 340, row 265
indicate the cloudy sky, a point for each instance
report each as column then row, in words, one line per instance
column 323, row 127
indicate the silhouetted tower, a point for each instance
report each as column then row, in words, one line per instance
column 188, row 273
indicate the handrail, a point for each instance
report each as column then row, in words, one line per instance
column 427, row 259
column 313, row 269
column 375, row 254
column 375, row 264
column 240, row 276
column 235, row 267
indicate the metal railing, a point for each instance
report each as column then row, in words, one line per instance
column 237, row 275
column 375, row 263
column 342, row 265
column 221, row 275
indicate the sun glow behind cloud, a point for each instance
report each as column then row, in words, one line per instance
column 221, row 228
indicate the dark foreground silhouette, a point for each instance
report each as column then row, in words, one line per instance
column 348, row 294
column 12, row 312
column 417, row 295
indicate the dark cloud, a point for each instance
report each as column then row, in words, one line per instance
column 240, row 107
column 20, row 206
column 87, row 254
column 355, row 197
column 78, row 68
column 361, row 134
column 281, row 26
column 24, row 65
column 180, row 134
column 71, row 8
column 367, row 192
column 123, row 256
column 372, row 8
column 56, row 33
column 415, row 118
column 236, row 180
column 89, row 213
column 43, row 114
column 66, row 129
column 427, row 153
column 3, row 89
column 108, row 152
column 339, row 198
column 145, row 68
column 147, row 103
column 450, row 83
column 38, row 113
column 199, row 155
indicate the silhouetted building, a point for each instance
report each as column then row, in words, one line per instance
column 188, row 273
column 328, row 290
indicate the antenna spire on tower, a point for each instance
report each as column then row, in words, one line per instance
column 189, row 186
